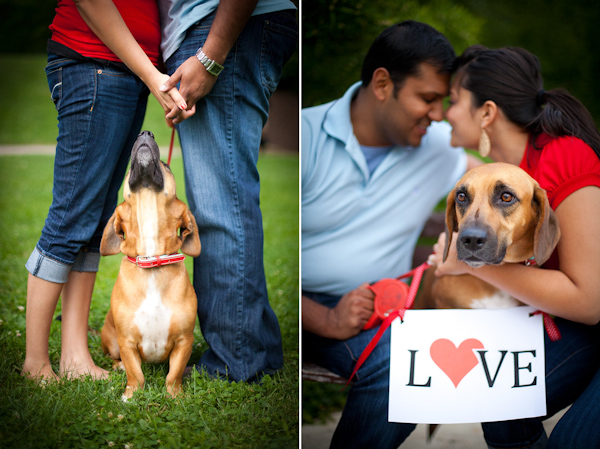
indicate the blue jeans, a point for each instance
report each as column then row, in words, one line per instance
column 571, row 364
column 220, row 146
column 364, row 422
column 580, row 426
column 100, row 113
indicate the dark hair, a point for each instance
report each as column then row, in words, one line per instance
column 401, row 48
column 511, row 78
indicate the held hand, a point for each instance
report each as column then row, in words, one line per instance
column 452, row 266
column 171, row 100
column 195, row 81
column 352, row 312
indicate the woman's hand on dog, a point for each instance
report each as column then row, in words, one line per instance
column 452, row 266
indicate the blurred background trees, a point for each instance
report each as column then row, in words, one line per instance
column 563, row 34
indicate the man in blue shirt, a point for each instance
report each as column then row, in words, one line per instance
column 374, row 165
column 227, row 56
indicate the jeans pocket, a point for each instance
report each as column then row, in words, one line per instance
column 279, row 42
column 54, row 75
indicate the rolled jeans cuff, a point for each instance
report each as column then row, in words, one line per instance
column 50, row 270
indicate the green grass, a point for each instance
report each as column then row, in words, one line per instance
column 83, row 413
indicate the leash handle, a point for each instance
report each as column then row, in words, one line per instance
column 171, row 145
column 417, row 275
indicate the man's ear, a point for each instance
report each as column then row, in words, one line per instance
column 189, row 234
column 451, row 222
column 114, row 233
column 381, row 84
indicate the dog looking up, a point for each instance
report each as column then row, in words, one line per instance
column 153, row 304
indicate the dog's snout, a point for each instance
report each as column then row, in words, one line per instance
column 473, row 238
column 478, row 245
column 145, row 163
column 146, row 134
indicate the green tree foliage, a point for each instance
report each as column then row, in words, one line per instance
column 338, row 33
column 562, row 34
column 24, row 25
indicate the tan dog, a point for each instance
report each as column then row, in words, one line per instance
column 500, row 214
column 152, row 310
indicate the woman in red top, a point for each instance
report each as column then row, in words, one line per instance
column 497, row 103
column 101, row 62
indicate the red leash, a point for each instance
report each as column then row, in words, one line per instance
column 417, row 275
column 171, row 145
column 549, row 325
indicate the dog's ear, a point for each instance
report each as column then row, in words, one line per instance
column 189, row 234
column 451, row 222
column 113, row 234
column 547, row 231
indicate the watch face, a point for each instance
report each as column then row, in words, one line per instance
column 215, row 70
column 211, row 66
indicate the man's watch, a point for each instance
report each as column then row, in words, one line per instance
column 212, row 67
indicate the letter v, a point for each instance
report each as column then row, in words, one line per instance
column 487, row 371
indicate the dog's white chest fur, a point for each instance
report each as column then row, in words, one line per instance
column 499, row 300
column 153, row 320
column 147, row 212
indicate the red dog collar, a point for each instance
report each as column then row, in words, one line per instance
column 156, row 261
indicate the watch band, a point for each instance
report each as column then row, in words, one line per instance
column 212, row 67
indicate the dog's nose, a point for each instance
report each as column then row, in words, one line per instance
column 146, row 134
column 473, row 238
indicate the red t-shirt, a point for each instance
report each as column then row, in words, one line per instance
column 562, row 166
column 141, row 17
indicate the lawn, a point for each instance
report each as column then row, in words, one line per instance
column 91, row 414
column 83, row 413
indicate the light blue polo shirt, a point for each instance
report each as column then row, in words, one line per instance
column 177, row 16
column 358, row 227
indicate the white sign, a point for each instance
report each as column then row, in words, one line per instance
column 467, row 366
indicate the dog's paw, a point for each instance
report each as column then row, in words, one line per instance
column 118, row 365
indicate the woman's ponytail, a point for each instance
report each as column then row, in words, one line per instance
column 562, row 114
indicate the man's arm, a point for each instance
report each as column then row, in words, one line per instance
column 345, row 320
column 196, row 82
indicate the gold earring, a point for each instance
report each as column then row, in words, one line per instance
column 484, row 143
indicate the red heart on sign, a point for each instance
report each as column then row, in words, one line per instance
column 455, row 362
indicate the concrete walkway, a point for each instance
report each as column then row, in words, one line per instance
column 447, row 436
column 6, row 150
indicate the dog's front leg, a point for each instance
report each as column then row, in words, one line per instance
column 132, row 361
column 178, row 359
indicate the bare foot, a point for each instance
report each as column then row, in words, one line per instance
column 76, row 371
column 41, row 374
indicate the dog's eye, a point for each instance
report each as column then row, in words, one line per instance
column 507, row 197
column 461, row 197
